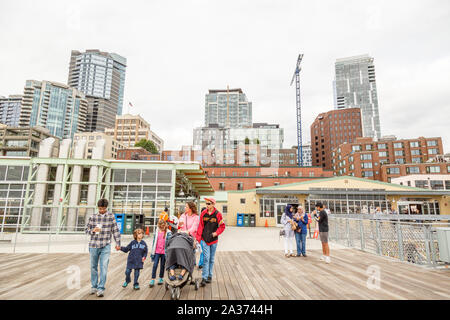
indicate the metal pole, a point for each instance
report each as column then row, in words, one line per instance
column 49, row 239
column 379, row 244
column 427, row 244
column 433, row 249
column 15, row 243
column 398, row 226
column 347, row 226
column 361, row 231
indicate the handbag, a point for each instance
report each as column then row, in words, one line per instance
column 294, row 225
column 282, row 233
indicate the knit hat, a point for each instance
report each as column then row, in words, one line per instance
column 211, row 199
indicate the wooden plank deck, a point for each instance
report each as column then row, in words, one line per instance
column 248, row 275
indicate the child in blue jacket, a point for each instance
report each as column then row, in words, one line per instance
column 138, row 253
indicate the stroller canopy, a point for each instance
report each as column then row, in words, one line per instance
column 180, row 250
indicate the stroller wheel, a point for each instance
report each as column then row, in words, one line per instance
column 196, row 284
column 177, row 293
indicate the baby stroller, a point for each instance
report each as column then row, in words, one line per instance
column 180, row 252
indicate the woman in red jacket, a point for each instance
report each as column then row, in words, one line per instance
column 211, row 224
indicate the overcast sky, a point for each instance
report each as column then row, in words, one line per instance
column 177, row 50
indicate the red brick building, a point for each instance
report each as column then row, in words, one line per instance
column 244, row 178
column 366, row 158
column 329, row 130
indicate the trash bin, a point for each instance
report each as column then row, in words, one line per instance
column 246, row 219
column 128, row 225
column 119, row 220
column 138, row 221
column 252, row 219
column 240, row 220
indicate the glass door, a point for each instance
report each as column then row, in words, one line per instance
column 279, row 210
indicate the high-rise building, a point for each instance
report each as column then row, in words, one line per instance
column 355, row 87
column 329, row 130
column 10, row 110
column 130, row 129
column 228, row 108
column 55, row 106
column 101, row 77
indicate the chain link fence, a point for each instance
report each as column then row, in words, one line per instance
column 406, row 241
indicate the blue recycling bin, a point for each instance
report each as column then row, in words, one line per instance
column 240, row 220
column 119, row 220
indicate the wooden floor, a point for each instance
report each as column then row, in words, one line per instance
column 237, row 275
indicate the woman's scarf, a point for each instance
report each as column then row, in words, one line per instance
column 287, row 211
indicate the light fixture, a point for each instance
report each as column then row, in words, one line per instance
column 181, row 193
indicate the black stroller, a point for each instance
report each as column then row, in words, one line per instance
column 180, row 252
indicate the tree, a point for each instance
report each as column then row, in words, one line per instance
column 147, row 145
column 247, row 140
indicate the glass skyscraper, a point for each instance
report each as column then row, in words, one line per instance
column 355, row 87
column 228, row 108
column 101, row 77
column 55, row 106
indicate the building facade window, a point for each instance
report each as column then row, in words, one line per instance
column 433, row 169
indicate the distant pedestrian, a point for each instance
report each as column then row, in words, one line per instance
column 101, row 226
column 211, row 225
column 137, row 254
column 301, row 218
column 322, row 219
column 158, row 253
column 287, row 221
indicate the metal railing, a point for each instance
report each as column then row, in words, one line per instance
column 46, row 239
column 414, row 242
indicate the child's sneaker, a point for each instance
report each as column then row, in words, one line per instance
column 172, row 278
column 100, row 293
column 160, row 281
column 93, row 290
column 136, row 287
column 322, row 258
column 327, row 259
column 180, row 277
column 125, row 284
column 152, row 283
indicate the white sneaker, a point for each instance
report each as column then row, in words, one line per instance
column 93, row 290
column 327, row 259
column 322, row 258
column 100, row 293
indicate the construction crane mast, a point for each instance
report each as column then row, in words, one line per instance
column 296, row 76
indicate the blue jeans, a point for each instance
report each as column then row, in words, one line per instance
column 300, row 239
column 99, row 255
column 200, row 261
column 209, row 252
column 136, row 276
column 158, row 257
